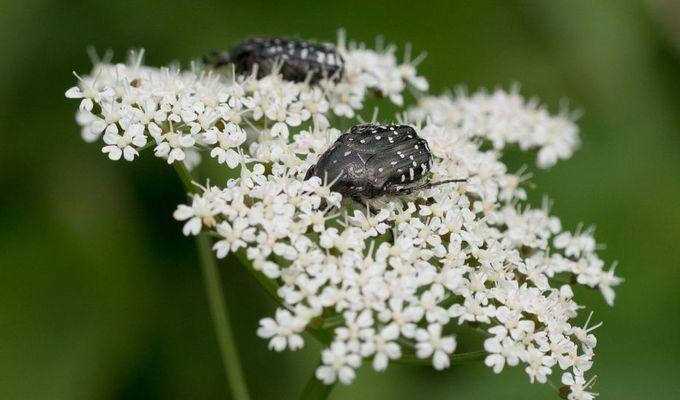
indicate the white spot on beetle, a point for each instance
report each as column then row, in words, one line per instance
column 411, row 172
column 393, row 163
column 381, row 169
column 348, row 153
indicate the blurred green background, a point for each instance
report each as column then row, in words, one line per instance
column 101, row 297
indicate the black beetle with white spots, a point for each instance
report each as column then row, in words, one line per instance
column 376, row 160
column 298, row 60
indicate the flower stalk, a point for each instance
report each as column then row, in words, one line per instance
column 315, row 389
column 218, row 306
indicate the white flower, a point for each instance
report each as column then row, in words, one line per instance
column 502, row 351
column 345, row 99
column 583, row 335
column 227, row 139
column 371, row 225
column 315, row 103
column 473, row 309
column 338, row 364
column 173, row 146
column 284, row 332
column 236, row 236
column 122, row 145
column 578, row 386
column 538, row 365
column 91, row 92
column 383, row 347
column 357, row 325
column 429, row 302
column 431, row 343
column 605, row 281
column 201, row 212
column 403, row 318
column 574, row 245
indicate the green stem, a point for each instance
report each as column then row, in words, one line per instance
column 315, row 389
column 557, row 390
column 185, row 176
column 267, row 284
column 218, row 306
column 220, row 316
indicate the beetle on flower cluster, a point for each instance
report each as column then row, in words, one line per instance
column 376, row 160
column 452, row 245
column 296, row 60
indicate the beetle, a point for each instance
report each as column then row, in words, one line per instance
column 376, row 160
column 297, row 59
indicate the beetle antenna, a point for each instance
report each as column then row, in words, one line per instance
column 430, row 185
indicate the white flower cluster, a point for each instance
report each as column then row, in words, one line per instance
column 394, row 279
column 503, row 118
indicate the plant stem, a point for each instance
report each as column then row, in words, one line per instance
column 218, row 306
column 184, row 176
column 220, row 316
column 315, row 389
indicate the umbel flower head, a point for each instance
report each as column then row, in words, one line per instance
column 392, row 280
